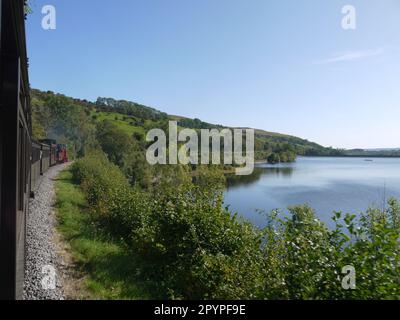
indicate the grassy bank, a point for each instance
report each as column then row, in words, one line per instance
column 102, row 262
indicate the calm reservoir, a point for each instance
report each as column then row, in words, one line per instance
column 326, row 184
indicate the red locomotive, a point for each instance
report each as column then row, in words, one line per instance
column 58, row 152
column 61, row 153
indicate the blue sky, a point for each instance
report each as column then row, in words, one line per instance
column 284, row 66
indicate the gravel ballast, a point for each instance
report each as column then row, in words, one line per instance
column 41, row 251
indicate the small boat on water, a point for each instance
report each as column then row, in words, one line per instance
column 368, row 160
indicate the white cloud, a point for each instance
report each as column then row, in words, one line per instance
column 353, row 55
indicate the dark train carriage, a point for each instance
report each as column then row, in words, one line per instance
column 52, row 151
column 45, row 160
column 53, row 155
column 15, row 149
column 36, row 166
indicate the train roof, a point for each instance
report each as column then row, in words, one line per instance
column 48, row 141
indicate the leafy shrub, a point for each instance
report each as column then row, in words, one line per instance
column 100, row 179
column 299, row 256
column 304, row 260
column 375, row 253
column 202, row 251
column 193, row 245
column 194, row 248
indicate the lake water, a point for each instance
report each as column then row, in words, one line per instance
column 326, row 184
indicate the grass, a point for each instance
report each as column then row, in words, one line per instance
column 122, row 121
column 109, row 270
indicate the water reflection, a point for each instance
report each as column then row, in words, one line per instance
column 261, row 171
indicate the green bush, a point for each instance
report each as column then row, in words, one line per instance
column 202, row 251
column 375, row 253
column 100, row 179
column 304, row 260
column 194, row 248
column 300, row 257
column 191, row 243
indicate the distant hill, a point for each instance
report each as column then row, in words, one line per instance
column 379, row 152
column 382, row 150
column 55, row 116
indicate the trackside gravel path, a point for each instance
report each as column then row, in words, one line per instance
column 41, row 250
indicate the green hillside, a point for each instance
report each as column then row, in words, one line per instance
column 128, row 124
column 73, row 120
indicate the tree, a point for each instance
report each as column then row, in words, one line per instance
column 273, row 158
column 126, row 152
